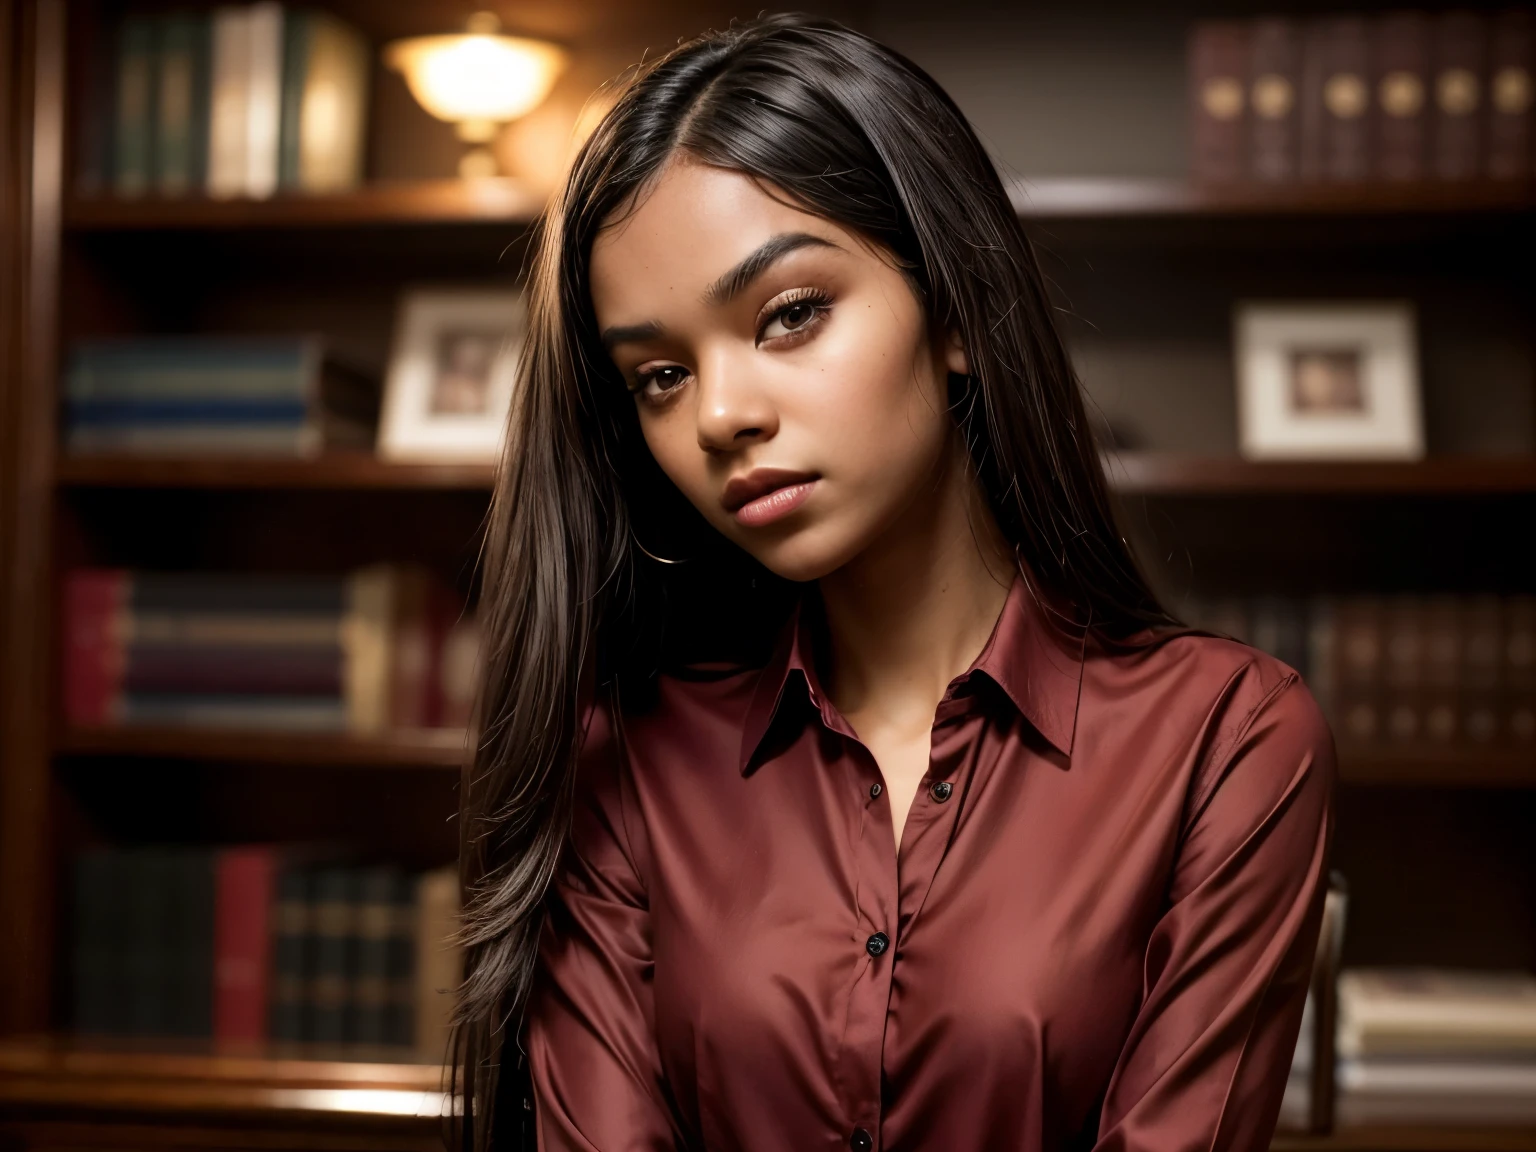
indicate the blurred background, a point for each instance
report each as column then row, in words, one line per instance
column 259, row 312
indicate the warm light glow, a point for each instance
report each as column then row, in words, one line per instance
column 478, row 79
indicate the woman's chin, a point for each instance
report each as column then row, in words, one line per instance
column 802, row 556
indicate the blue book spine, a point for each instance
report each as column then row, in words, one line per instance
column 173, row 412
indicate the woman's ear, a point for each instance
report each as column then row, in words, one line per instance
column 955, row 358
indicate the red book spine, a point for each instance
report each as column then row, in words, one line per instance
column 1402, row 95
column 1337, row 100
column 95, row 600
column 1274, row 103
column 1460, row 80
column 242, row 943
column 1218, row 73
column 1511, row 92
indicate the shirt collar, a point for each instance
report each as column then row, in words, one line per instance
column 1035, row 655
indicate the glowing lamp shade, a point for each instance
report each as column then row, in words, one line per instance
column 477, row 79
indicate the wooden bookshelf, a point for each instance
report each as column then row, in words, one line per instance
column 499, row 200
column 1427, row 766
column 1153, row 474
column 118, row 1094
column 1410, row 1138
column 356, row 470
column 1172, row 199
column 490, row 200
column 1148, row 474
column 427, row 748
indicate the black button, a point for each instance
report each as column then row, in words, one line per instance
column 874, row 791
column 877, row 943
column 941, row 790
column 861, row 1141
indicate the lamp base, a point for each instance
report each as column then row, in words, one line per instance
column 477, row 164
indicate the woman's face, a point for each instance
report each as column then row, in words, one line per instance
column 784, row 373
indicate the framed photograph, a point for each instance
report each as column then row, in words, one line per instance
column 451, row 374
column 1328, row 381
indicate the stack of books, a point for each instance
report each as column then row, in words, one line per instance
column 1432, row 1046
column 386, row 647
column 280, row 396
column 1393, row 99
column 1446, row 671
column 241, row 101
column 253, row 946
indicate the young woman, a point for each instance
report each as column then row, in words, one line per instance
column 972, row 847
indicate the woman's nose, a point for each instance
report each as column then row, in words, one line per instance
column 734, row 409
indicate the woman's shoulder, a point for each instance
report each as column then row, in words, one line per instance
column 1229, row 686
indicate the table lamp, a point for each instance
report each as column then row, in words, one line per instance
column 477, row 80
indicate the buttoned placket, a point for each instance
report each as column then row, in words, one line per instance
column 891, row 886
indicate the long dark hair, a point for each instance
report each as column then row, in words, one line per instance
column 571, row 603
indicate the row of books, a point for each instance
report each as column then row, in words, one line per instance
column 260, row 395
column 240, row 101
column 384, row 647
column 1451, row 670
column 1434, row 1046
column 255, row 945
column 1397, row 97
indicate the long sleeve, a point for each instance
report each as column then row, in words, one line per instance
column 596, row 1074
column 1227, row 965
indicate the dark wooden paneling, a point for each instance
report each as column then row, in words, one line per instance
column 31, row 71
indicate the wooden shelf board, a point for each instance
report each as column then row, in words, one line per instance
column 1134, row 473
column 425, row 748
column 1111, row 198
column 146, row 1077
column 142, row 1076
column 1410, row 1138
column 488, row 201
column 1153, row 474
column 501, row 200
column 1431, row 767
column 350, row 470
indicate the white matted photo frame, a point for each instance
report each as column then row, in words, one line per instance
column 1335, row 381
column 451, row 374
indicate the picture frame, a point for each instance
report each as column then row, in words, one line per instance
column 452, row 371
column 1328, row 381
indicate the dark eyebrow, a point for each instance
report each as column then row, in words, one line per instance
column 631, row 334
column 725, row 289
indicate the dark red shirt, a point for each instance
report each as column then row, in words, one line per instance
column 1097, row 933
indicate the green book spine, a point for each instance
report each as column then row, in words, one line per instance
column 329, row 1004
column 181, row 122
column 152, row 889
column 190, row 994
column 374, row 926
column 99, row 927
column 292, row 922
column 296, row 30
column 133, row 137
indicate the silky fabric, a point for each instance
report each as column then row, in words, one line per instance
column 1099, row 935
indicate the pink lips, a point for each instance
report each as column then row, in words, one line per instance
column 776, row 504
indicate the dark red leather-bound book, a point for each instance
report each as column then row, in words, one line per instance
column 1401, row 74
column 1218, row 76
column 1511, row 93
column 1336, row 100
column 244, row 886
column 1274, row 101
column 1459, row 50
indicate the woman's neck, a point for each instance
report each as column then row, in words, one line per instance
column 912, row 611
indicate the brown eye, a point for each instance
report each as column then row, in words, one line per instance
column 796, row 315
column 657, row 382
